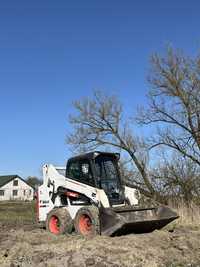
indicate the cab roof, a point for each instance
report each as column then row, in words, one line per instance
column 93, row 155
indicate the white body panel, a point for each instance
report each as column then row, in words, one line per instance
column 23, row 191
column 53, row 179
column 130, row 194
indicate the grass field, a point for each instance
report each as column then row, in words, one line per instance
column 17, row 212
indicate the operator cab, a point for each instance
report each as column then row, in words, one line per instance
column 99, row 170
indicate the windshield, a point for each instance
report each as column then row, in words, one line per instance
column 107, row 175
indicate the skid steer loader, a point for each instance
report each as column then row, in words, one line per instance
column 88, row 196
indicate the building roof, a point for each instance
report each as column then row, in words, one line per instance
column 4, row 179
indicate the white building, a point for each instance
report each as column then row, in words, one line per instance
column 13, row 187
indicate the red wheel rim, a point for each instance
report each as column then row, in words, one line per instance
column 54, row 225
column 85, row 224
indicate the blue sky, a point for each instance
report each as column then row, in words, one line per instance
column 54, row 52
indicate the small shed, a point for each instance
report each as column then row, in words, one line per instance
column 13, row 187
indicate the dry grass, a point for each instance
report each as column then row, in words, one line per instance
column 17, row 212
column 189, row 214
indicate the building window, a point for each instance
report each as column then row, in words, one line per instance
column 1, row 192
column 14, row 192
column 15, row 183
column 30, row 191
column 24, row 192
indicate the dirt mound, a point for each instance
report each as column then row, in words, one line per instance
column 26, row 246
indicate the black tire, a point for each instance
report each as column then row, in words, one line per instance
column 59, row 221
column 87, row 221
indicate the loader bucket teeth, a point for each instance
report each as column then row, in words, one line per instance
column 118, row 221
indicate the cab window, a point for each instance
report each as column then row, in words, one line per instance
column 73, row 170
column 81, row 171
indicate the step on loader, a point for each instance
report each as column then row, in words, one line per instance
column 88, row 196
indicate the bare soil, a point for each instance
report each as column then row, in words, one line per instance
column 23, row 243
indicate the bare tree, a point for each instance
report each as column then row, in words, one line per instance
column 177, row 178
column 99, row 122
column 174, row 104
column 33, row 181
